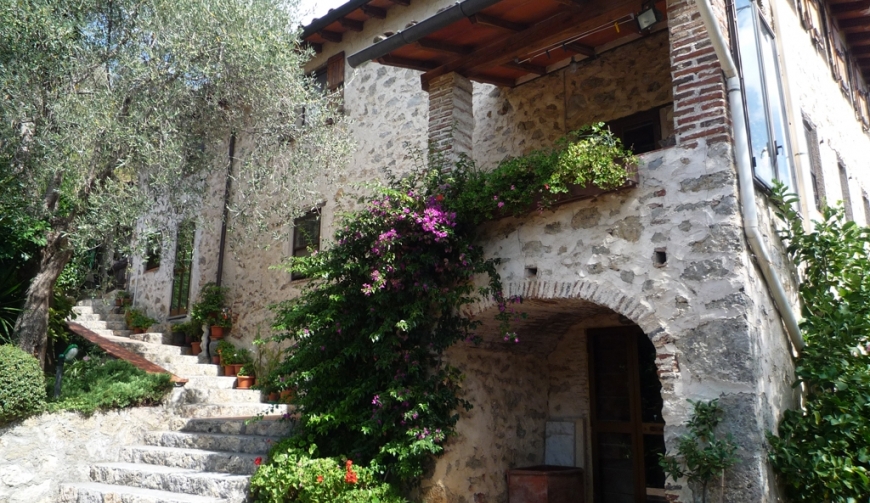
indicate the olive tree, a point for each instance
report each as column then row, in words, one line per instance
column 109, row 107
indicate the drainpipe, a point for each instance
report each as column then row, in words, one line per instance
column 226, row 211
column 745, row 178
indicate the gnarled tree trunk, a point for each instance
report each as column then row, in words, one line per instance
column 31, row 328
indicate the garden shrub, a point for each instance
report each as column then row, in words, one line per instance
column 97, row 382
column 823, row 451
column 21, row 384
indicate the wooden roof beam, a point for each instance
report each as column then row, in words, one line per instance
column 444, row 48
column 546, row 33
column 585, row 50
column 849, row 9
column 526, row 67
column 494, row 22
column 855, row 24
column 374, row 12
column 496, row 81
column 858, row 38
column 330, row 36
column 401, row 2
column 351, row 24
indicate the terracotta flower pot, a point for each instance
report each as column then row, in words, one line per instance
column 286, row 396
column 237, row 367
column 245, row 382
column 229, row 370
column 273, row 397
column 138, row 330
column 118, row 302
column 217, row 332
column 216, row 360
column 195, row 348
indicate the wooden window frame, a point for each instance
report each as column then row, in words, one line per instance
column 179, row 297
column 153, row 252
column 845, row 191
column 302, row 249
column 815, row 160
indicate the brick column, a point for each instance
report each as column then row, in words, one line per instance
column 451, row 121
column 700, row 101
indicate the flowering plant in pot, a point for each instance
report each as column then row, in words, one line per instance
column 246, row 376
column 220, row 323
column 227, row 353
column 209, row 305
column 139, row 321
column 123, row 298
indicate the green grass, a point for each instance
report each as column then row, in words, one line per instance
column 97, row 382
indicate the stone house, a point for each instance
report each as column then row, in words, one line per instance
column 674, row 288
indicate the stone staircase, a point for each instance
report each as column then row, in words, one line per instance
column 207, row 452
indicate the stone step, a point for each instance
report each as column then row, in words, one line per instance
column 82, row 318
column 94, row 492
column 217, row 396
column 270, row 426
column 188, row 370
column 102, row 324
column 191, row 459
column 202, row 410
column 211, row 382
column 167, row 478
column 83, row 309
column 245, row 444
column 153, row 338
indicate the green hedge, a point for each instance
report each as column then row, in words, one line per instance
column 21, row 385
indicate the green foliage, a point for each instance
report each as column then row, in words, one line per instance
column 22, row 392
column 209, row 307
column 590, row 156
column 701, row 457
column 295, row 476
column 11, row 299
column 823, row 451
column 247, row 370
column 97, row 382
column 191, row 329
column 138, row 319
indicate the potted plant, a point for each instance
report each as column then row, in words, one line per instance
column 246, row 376
column 209, row 304
column 139, row 321
column 180, row 333
column 123, row 298
column 242, row 358
column 219, row 323
column 226, row 353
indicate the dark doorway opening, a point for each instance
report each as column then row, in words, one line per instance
column 627, row 424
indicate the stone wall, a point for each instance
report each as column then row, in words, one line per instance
column 42, row 452
column 630, row 79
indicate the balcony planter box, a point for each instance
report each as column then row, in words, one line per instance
column 578, row 193
column 546, row 484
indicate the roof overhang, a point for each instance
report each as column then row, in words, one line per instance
column 509, row 42
column 853, row 19
column 350, row 16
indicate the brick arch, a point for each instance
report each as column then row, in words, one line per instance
column 604, row 294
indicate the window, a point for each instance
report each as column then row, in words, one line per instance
column 847, row 198
column 641, row 132
column 306, row 236
column 153, row 252
column 811, row 15
column 180, row 295
column 765, row 111
column 327, row 78
column 815, row 161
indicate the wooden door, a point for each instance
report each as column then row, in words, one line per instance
column 627, row 424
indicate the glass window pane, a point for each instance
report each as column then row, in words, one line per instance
column 775, row 107
column 612, row 386
column 616, row 465
column 753, row 86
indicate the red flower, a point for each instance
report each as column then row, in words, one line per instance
column 439, row 198
column 350, row 477
column 348, row 464
column 258, row 461
column 319, row 479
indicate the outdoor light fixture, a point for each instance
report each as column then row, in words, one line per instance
column 68, row 355
column 648, row 16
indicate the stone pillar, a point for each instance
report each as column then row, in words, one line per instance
column 700, row 101
column 451, row 120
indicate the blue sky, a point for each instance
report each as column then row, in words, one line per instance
column 316, row 8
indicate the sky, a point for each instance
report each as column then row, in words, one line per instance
column 311, row 9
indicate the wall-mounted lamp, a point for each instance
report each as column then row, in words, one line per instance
column 68, row 355
column 648, row 16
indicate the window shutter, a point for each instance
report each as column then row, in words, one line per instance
column 335, row 71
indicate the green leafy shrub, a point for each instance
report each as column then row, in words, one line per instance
column 98, row 382
column 296, row 476
column 701, row 457
column 138, row 319
column 209, row 307
column 823, row 451
column 22, row 392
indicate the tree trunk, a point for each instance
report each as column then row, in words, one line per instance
column 31, row 328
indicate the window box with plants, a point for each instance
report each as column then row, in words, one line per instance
column 139, row 321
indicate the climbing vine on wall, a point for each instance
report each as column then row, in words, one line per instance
column 368, row 334
column 823, row 451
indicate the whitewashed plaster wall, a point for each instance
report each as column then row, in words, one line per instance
column 819, row 97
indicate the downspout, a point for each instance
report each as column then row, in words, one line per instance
column 745, row 178
column 226, row 211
